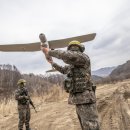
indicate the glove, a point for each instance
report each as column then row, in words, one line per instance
column 26, row 97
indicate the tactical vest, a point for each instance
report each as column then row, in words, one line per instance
column 23, row 92
column 77, row 80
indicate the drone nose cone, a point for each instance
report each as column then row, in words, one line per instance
column 42, row 34
column 42, row 37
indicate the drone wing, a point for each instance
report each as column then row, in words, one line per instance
column 30, row 47
column 64, row 42
column 21, row 47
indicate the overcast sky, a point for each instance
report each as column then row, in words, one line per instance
column 21, row 22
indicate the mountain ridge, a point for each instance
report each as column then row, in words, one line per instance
column 103, row 72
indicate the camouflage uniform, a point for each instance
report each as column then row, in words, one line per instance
column 23, row 107
column 79, row 85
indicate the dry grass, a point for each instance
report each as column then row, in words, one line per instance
column 55, row 114
column 55, row 94
column 9, row 107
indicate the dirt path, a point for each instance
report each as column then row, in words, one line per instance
column 113, row 106
column 114, row 109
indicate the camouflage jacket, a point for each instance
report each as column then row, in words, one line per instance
column 21, row 95
column 75, row 59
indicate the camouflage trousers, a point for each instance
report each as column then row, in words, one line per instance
column 24, row 116
column 88, row 116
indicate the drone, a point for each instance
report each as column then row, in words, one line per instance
column 53, row 44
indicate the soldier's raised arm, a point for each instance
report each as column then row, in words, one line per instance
column 73, row 56
column 70, row 57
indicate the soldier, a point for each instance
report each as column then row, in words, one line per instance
column 78, row 82
column 21, row 95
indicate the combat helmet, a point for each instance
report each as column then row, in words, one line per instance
column 76, row 43
column 21, row 81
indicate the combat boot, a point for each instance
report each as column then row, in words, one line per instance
column 27, row 128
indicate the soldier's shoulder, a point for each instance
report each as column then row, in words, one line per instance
column 17, row 90
column 85, row 56
column 25, row 89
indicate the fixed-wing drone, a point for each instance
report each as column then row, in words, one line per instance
column 30, row 47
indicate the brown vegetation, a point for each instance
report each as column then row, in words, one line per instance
column 37, row 84
column 55, row 93
column 54, row 113
column 9, row 76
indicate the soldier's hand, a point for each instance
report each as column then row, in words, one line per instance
column 20, row 97
column 26, row 97
column 44, row 50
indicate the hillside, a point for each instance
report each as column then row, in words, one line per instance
column 120, row 73
column 96, row 78
column 121, row 70
column 103, row 72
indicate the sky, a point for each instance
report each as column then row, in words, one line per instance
column 22, row 22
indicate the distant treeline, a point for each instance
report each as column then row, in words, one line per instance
column 9, row 76
column 40, row 84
